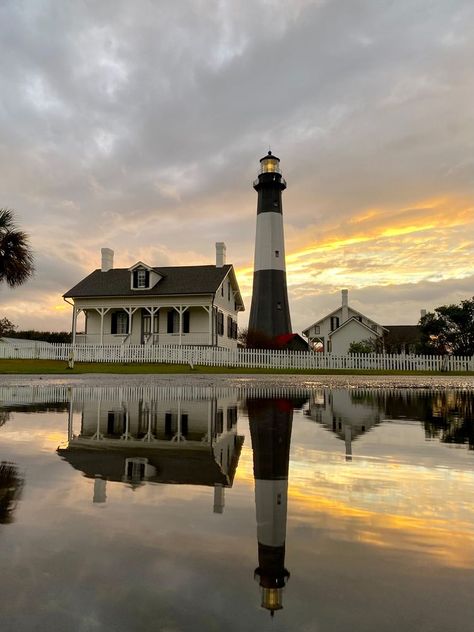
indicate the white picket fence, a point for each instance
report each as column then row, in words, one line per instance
column 245, row 358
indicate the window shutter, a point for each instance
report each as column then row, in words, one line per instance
column 229, row 327
column 170, row 322
column 220, row 323
column 113, row 328
column 135, row 278
column 186, row 322
column 147, row 278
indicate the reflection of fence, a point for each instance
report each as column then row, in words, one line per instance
column 245, row 358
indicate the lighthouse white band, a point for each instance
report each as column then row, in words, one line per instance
column 269, row 242
column 271, row 504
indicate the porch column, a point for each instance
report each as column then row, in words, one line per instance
column 208, row 309
column 70, row 419
column 102, row 311
column 130, row 311
column 180, row 311
column 75, row 312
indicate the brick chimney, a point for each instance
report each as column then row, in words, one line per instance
column 107, row 259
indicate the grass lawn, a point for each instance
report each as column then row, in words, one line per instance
column 52, row 367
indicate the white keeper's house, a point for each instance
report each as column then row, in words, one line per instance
column 143, row 304
column 342, row 326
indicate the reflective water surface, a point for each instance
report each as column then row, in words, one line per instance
column 213, row 508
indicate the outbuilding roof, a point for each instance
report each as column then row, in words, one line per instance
column 175, row 280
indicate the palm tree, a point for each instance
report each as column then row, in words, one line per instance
column 16, row 259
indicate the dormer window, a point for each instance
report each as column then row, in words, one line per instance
column 141, row 279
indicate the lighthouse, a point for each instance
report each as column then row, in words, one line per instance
column 270, row 422
column 269, row 312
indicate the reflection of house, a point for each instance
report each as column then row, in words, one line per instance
column 344, row 325
column 347, row 413
column 192, row 442
column 190, row 305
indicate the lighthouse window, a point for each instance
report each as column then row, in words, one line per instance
column 278, row 305
column 277, row 253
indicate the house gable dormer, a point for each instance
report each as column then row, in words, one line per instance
column 143, row 277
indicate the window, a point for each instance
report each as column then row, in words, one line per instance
column 172, row 323
column 334, row 322
column 229, row 326
column 141, row 278
column 231, row 417
column 316, row 330
column 278, row 305
column 222, row 290
column 234, row 330
column 219, row 421
column 220, row 323
column 119, row 323
column 186, row 322
column 115, row 423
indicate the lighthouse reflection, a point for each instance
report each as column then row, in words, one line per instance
column 270, row 423
column 155, row 435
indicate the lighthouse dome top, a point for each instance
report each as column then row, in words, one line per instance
column 270, row 164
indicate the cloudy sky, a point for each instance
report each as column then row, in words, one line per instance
column 139, row 126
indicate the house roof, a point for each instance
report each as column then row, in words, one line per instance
column 192, row 466
column 349, row 320
column 175, row 280
column 334, row 312
column 407, row 333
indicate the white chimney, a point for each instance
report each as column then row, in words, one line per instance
column 100, row 486
column 107, row 259
column 345, row 306
column 219, row 498
column 422, row 312
column 220, row 254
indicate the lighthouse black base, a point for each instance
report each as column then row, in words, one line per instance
column 270, row 312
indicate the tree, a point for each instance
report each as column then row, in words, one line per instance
column 449, row 329
column 371, row 345
column 16, row 259
column 7, row 328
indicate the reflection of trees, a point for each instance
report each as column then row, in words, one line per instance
column 451, row 418
column 11, row 485
column 4, row 417
column 445, row 415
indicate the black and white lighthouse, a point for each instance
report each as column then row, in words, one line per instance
column 269, row 312
column 270, row 423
